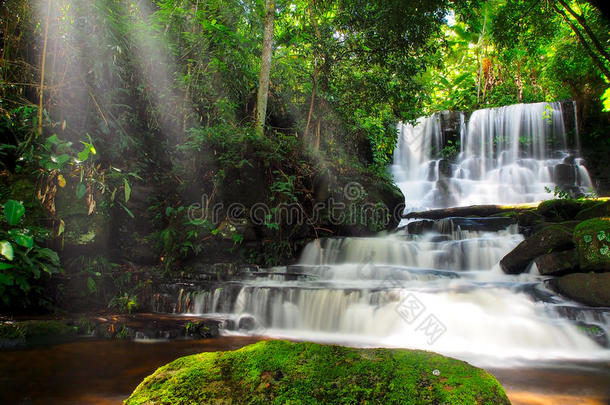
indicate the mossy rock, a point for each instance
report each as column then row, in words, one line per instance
column 588, row 288
column 280, row 372
column 592, row 239
column 563, row 209
column 550, row 239
column 35, row 330
column 600, row 209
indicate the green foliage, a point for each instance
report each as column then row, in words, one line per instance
column 126, row 303
column 23, row 260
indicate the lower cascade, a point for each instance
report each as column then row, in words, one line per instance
column 441, row 288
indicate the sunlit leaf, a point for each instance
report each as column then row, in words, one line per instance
column 6, row 250
column 13, row 211
column 127, row 189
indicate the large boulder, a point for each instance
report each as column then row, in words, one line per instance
column 550, row 239
column 564, row 209
column 280, row 372
column 600, row 209
column 557, row 263
column 589, row 288
column 564, row 174
column 592, row 239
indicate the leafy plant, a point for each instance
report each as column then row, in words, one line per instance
column 22, row 259
column 125, row 303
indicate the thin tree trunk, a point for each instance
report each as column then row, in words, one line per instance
column 263, row 83
column 312, row 102
column 42, row 68
column 583, row 42
column 590, row 33
column 317, row 144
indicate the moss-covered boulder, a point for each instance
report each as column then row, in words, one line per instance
column 592, row 238
column 15, row 333
column 599, row 209
column 280, row 372
column 560, row 210
column 550, row 239
column 589, row 288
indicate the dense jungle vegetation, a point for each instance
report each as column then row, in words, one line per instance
column 117, row 116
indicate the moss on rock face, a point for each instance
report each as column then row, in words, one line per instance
column 592, row 239
column 280, row 372
column 33, row 330
column 600, row 209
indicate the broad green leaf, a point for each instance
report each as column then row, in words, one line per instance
column 50, row 255
column 53, row 139
column 6, row 250
column 81, row 189
column 127, row 189
column 13, row 211
column 6, row 266
column 83, row 155
column 21, row 238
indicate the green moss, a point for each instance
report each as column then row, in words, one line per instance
column 29, row 330
column 599, row 209
column 563, row 209
column 592, row 238
column 280, row 372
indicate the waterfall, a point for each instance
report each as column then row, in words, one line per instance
column 434, row 285
column 506, row 155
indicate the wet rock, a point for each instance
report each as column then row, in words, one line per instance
column 445, row 169
column 564, row 174
column 595, row 332
column 419, row 227
column 485, row 224
column 550, row 239
column 470, row 211
column 592, row 239
column 557, row 263
column 246, row 323
column 588, row 288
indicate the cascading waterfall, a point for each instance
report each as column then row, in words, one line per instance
column 440, row 289
column 507, row 155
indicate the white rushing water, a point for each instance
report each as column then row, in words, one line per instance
column 506, row 155
column 441, row 290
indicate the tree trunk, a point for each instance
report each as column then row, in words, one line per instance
column 42, row 68
column 312, row 102
column 263, row 82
